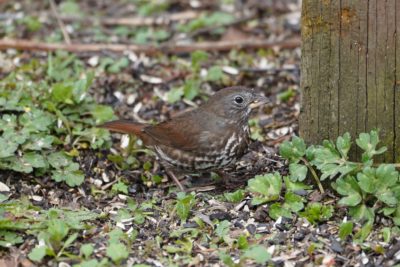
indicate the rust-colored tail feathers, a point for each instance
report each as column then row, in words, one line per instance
column 123, row 126
column 127, row 127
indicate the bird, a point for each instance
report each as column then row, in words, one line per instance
column 206, row 139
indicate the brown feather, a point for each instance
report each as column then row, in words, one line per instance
column 128, row 127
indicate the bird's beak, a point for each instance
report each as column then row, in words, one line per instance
column 258, row 101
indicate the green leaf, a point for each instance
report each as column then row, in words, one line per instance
column 235, row 197
column 118, row 66
column 348, row 187
column 293, row 202
column 81, row 87
column 70, row 240
column 226, row 259
column 35, row 121
column 102, row 113
column 293, row 150
column 120, row 187
column 59, row 159
column 345, row 229
column 286, row 95
column 198, row 57
column 387, row 175
column 364, row 232
column 117, row 252
column 214, row 74
column 184, row 205
column 35, row 160
column 368, row 143
column 57, row 229
column 71, row 175
column 175, row 94
column 191, row 89
column 87, row 250
column 70, row 7
column 89, row 263
column 362, row 213
column 37, row 254
column 316, row 212
column 222, row 228
column 8, row 239
column 386, row 234
column 276, row 210
column 379, row 182
column 298, row 172
column 242, row 242
column 115, row 236
column 7, row 148
column 343, row 144
column 367, row 180
column 258, row 253
column 62, row 92
column 294, row 186
column 39, row 142
column 266, row 187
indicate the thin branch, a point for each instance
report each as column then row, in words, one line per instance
column 60, row 23
column 138, row 21
column 170, row 48
column 314, row 175
column 214, row 27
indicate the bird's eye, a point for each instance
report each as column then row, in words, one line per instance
column 239, row 100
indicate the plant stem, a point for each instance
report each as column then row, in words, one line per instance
column 314, row 174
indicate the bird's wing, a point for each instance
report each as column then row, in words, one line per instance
column 189, row 131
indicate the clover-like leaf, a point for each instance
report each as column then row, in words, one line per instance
column 316, row 212
column 7, row 147
column 298, row 172
column 36, row 121
column 379, row 182
column 387, row 175
column 214, row 74
column 38, row 142
column 276, row 210
column 59, row 159
column 343, row 144
column 266, row 187
column 293, row 202
column 368, row 143
column 295, row 186
column 329, row 161
column 70, row 174
column 102, row 113
column 348, row 187
column 258, row 253
column 293, row 150
column 117, row 252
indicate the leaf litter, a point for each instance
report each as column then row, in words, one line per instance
column 73, row 195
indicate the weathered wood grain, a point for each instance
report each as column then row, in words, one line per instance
column 350, row 71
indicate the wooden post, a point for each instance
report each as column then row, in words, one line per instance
column 351, row 71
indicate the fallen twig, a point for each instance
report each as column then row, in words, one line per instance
column 65, row 34
column 171, row 48
column 138, row 21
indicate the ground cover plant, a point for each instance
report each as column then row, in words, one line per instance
column 72, row 194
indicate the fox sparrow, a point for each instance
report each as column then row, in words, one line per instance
column 205, row 139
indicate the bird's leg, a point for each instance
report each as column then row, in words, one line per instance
column 172, row 175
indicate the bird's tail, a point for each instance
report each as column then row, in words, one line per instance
column 124, row 126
